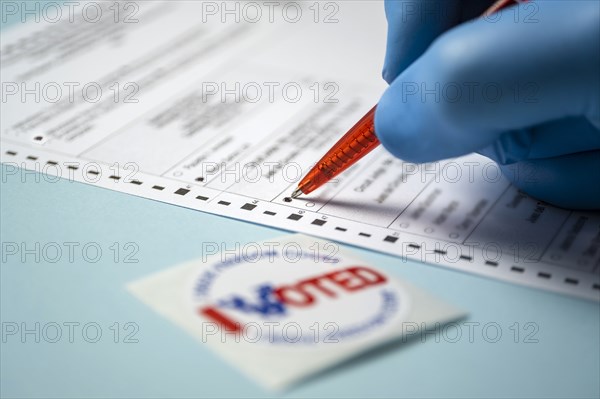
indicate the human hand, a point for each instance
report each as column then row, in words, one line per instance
column 521, row 87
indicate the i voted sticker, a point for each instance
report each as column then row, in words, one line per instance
column 284, row 309
column 287, row 297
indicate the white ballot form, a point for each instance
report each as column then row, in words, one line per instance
column 224, row 110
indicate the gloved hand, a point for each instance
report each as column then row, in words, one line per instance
column 521, row 87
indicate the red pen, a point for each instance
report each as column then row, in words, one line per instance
column 358, row 142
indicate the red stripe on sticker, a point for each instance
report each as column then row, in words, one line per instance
column 225, row 322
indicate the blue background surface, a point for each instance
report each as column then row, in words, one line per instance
column 166, row 362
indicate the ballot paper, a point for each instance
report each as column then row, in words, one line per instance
column 288, row 308
column 223, row 106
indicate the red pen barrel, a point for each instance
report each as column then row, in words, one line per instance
column 358, row 142
column 499, row 5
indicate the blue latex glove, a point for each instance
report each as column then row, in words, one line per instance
column 545, row 136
